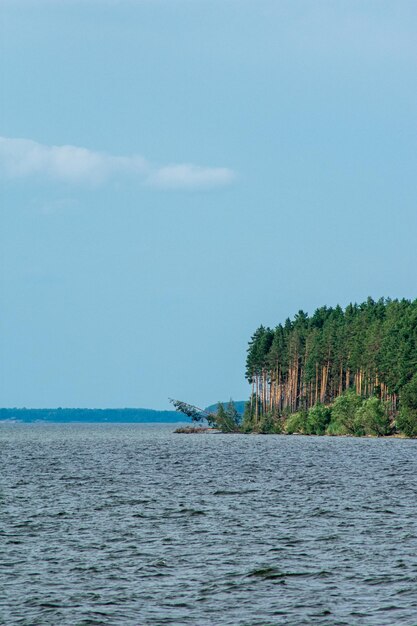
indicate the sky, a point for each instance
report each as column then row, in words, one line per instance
column 175, row 173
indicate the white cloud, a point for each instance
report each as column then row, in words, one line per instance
column 188, row 176
column 22, row 158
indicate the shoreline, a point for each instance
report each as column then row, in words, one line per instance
column 193, row 430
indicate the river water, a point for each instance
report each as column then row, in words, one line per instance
column 134, row 525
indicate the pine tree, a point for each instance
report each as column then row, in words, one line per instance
column 369, row 349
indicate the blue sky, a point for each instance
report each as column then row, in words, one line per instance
column 175, row 173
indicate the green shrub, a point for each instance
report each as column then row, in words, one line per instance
column 343, row 418
column 227, row 420
column 270, row 423
column 407, row 422
column 407, row 418
column 335, row 429
column 372, row 419
column 247, row 420
column 318, row 419
column 296, row 423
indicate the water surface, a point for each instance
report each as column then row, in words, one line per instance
column 134, row 525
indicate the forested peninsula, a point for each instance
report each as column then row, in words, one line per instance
column 349, row 371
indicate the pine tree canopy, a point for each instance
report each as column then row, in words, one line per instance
column 369, row 349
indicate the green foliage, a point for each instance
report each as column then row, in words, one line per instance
column 335, row 429
column 196, row 414
column 239, row 405
column 187, row 409
column 247, row 419
column 343, row 419
column 318, row 419
column 407, row 418
column 370, row 348
column 258, row 350
column 270, row 424
column 372, row 419
column 407, row 422
column 409, row 394
column 297, row 423
column 227, row 420
column 233, row 416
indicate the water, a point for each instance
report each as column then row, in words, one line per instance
column 134, row 525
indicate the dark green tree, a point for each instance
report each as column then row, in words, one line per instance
column 407, row 418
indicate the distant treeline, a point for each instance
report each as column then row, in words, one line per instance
column 239, row 406
column 89, row 415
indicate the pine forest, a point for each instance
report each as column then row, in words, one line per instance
column 367, row 351
column 338, row 372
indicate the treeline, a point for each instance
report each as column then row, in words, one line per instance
column 88, row 415
column 349, row 414
column 366, row 351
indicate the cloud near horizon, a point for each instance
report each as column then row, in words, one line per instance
column 24, row 158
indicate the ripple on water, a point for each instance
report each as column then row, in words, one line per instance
column 130, row 524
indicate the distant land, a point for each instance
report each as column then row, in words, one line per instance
column 239, row 406
column 133, row 416
column 91, row 415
